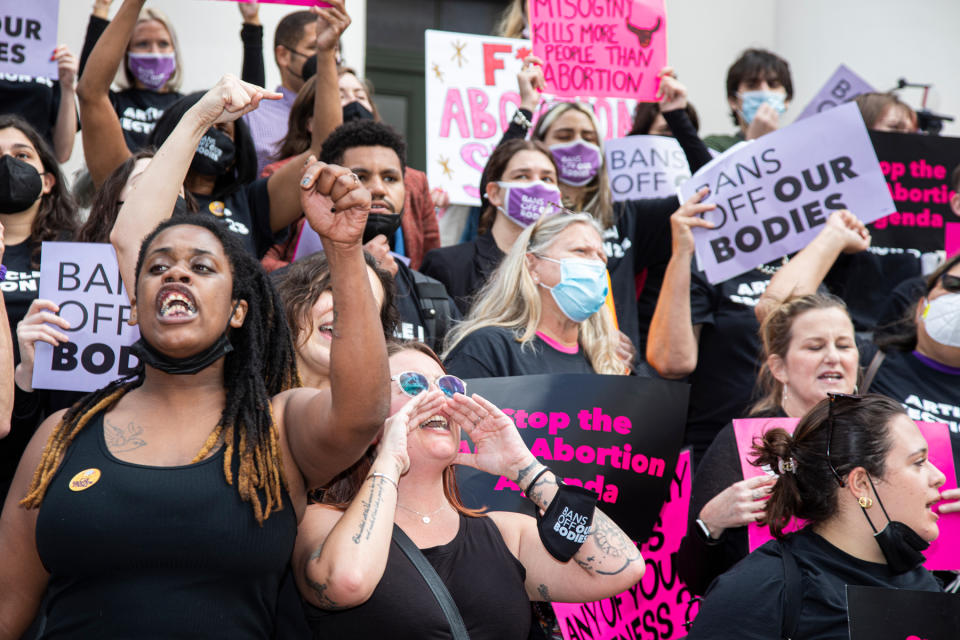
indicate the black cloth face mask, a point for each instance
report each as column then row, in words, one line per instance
column 215, row 154
column 900, row 545
column 20, row 185
column 356, row 111
column 381, row 223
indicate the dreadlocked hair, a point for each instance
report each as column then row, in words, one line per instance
column 261, row 365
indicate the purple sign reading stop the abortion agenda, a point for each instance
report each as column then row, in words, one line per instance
column 774, row 194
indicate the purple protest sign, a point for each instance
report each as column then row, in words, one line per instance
column 308, row 242
column 660, row 600
column 645, row 167
column 299, row 3
column 844, row 85
column 28, row 37
column 83, row 279
column 774, row 194
column 943, row 553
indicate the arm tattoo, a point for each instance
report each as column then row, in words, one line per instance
column 523, row 473
column 544, row 593
column 122, row 439
column 617, row 552
column 371, row 507
column 324, row 601
column 537, row 492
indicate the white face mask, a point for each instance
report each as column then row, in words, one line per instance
column 941, row 319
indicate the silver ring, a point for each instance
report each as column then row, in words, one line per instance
column 355, row 178
column 757, row 494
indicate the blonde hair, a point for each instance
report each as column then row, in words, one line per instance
column 511, row 299
column 598, row 201
column 512, row 20
column 124, row 78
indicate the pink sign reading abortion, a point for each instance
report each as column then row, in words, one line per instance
column 655, row 607
column 943, row 552
column 604, row 48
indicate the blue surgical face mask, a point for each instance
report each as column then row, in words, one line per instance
column 751, row 101
column 582, row 289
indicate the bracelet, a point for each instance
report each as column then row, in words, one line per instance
column 3, row 272
column 522, row 120
column 377, row 474
column 535, row 478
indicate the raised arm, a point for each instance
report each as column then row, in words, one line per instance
column 65, row 129
column 673, row 105
column 340, row 557
column 607, row 562
column 251, row 34
column 672, row 339
column 103, row 145
column 327, row 115
column 802, row 275
column 155, row 195
column 6, row 360
column 328, row 430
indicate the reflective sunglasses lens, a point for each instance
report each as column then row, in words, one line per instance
column 951, row 283
column 413, row 383
column 451, row 385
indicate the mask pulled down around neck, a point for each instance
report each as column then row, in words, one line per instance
column 901, row 546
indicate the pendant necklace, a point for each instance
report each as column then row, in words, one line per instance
column 425, row 517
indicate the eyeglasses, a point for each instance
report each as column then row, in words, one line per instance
column 834, row 398
column 414, row 383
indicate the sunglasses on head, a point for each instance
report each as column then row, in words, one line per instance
column 834, row 399
column 950, row 283
column 414, row 383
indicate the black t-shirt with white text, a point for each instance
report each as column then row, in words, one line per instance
column 728, row 353
column 21, row 286
column 246, row 213
column 929, row 393
column 138, row 111
column 35, row 99
column 493, row 352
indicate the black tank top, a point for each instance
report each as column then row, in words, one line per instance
column 484, row 578
column 156, row 552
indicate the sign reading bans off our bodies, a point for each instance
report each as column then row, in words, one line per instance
column 28, row 36
column 775, row 193
column 83, row 279
column 645, row 167
column 472, row 95
column 618, row 436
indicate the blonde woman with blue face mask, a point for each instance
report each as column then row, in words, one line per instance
column 543, row 310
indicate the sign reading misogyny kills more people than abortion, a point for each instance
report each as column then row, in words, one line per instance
column 658, row 605
column 774, row 194
column 618, row 436
column 28, row 36
column 645, row 167
column 944, row 552
column 600, row 47
column 472, row 95
column 83, row 279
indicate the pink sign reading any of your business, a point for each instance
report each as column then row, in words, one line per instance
column 603, row 48
column 655, row 607
column 943, row 552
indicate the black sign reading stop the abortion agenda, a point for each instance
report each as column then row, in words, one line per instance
column 917, row 169
column 618, row 436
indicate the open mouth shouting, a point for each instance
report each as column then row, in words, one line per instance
column 436, row 423
column 175, row 303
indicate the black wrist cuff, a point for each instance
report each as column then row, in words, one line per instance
column 567, row 521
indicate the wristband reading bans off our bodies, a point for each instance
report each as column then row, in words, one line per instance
column 565, row 525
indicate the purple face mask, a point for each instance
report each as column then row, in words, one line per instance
column 526, row 202
column 152, row 69
column 578, row 161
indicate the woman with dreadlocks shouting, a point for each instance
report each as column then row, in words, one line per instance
column 166, row 504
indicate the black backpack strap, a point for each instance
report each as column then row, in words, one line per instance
column 871, row 371
column 434, row 307
column 793, row 593
column 433, row 581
